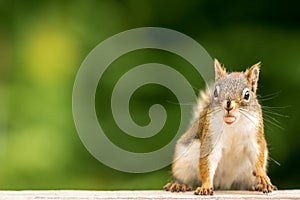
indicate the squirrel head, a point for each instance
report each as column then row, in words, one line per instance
column 235, row 93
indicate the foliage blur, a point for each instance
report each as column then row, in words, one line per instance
column 43, row 43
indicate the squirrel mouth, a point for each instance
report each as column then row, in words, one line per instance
column 229, row 119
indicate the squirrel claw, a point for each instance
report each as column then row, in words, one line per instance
column 264, row 184
column 204, row 191
column 176, row 187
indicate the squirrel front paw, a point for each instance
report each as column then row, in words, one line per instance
column 263, row 184
column 176, row 187
column 204, row 191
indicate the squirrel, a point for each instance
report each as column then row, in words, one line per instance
column 225, row 145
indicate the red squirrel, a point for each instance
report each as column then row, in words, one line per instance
column 225, row 145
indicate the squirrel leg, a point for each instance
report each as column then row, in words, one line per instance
column 263, row 182
column 206, row 187
column 207, row 168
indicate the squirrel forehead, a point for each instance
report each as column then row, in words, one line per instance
column 233, row 82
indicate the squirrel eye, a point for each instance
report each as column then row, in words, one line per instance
column 246, row 94
column 216, row 92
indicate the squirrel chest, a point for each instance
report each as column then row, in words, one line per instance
column 236, row 150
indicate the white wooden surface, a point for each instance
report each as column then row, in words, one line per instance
column 145, row 194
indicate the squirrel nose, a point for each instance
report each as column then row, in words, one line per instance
column 228, row 107
column 228, row 103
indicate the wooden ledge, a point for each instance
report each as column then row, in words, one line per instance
column 145, row 194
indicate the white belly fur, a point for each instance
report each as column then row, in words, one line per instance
column 238, row 150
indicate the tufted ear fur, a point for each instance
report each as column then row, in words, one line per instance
column 252, row 75
column 219, row 70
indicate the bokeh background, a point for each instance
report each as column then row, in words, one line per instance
column 42, row 44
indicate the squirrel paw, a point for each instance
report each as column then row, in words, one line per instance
column 204, row 191
column 263, row 184
column 176, row 187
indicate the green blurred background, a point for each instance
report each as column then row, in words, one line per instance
column 42, row 44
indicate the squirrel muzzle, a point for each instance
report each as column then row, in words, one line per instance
column 229, row 107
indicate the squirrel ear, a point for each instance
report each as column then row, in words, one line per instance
column 252, row 75
column 219, row 70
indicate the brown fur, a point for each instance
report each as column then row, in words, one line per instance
column 203, row 162
column 263, row 181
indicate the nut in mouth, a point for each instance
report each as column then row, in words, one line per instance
column 229, row 119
